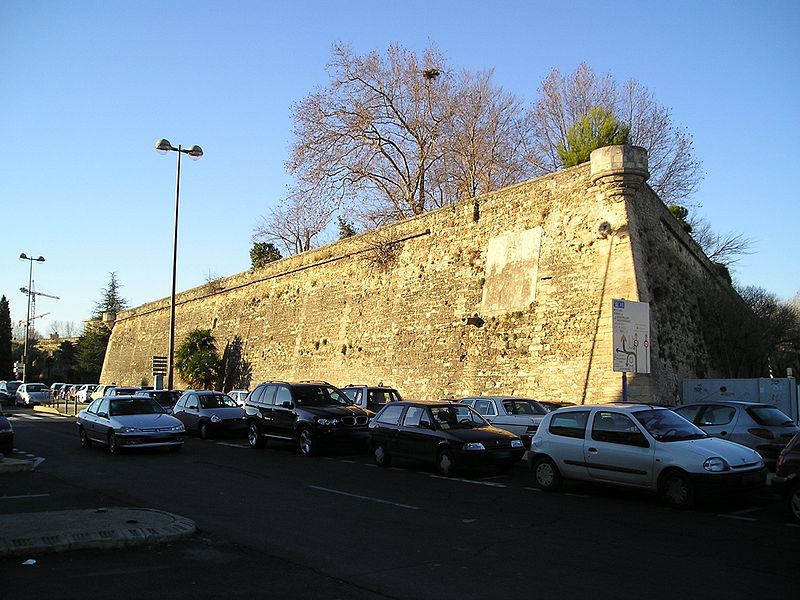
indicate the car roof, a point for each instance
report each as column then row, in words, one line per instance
column 742, row 403
column 624, row 406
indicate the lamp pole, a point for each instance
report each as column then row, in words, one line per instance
column 195, row 152
column 30, row 260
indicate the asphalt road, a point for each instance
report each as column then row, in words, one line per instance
column 274, row 523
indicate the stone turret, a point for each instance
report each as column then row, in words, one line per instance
column 619, row 171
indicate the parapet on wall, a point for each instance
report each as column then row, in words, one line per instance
column 509, row 293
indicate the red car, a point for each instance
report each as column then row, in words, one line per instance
column 787, row 475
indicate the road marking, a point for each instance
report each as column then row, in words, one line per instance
column 37, row 462
column 791, row 525
column 737, row 518
column 231, row 445
column 21, row 497
column 369, row 498
column 530, row 489
column 745, row 511
column 486, row 483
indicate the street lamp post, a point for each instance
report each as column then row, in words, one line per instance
column 31, row 260
column 195, row 152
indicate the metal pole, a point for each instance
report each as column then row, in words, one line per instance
column 171, row 352
column 27, row 322
column 624, row 386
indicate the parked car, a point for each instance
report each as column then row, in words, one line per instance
column 31, row 394
column 55, row 387
column 520, row 416
column 8, row 390
column 84, row 393
column 209, row 413
column 6, row 436
column 120, row 390
column 238, row 396
column 373, row 398
column 312, row 414
column 762, row 427
column 166, row 398
column 640, row 446
column 787, row 475
column 449, row 435
column 101, row 390
column 129, row 422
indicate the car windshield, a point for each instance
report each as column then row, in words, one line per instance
column 35, row 387
column 668, row 426
column 769, row 416
column 524, row 407
column 134, row 405
column 217, row 401
column 319, row 395
column 458, row 416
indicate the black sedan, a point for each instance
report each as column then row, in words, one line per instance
column 447, row 434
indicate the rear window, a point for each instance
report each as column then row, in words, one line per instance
column 769, row 416
column 570, row 424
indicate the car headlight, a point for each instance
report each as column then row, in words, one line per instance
column 716, row 464
column 129, row 429
column 517, row 444
column 178, row 428
column 327, row 422
column 215, row 419
column 474, row 446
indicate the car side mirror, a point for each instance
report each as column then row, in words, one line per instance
column 287, row 404
column 103, row 415
column 425, row 424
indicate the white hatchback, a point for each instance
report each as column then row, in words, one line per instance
column 640, row 446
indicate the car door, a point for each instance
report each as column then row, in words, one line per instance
column 102, row 421
column 417, row 437
column 189, row 412
column 283, row 416
column 617, row 451
column 384, row 429
column 89, row 422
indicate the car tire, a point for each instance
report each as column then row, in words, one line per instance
column 546, row 474
column 307, row 445
column 113, row 448
column 85, row 441
column 203, row 430
column 676, row 490
column 445, row 463
column 254, row 438
column 381, row 456
column 793, row 501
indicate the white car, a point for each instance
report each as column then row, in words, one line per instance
column 520, row 416
column 640, row 446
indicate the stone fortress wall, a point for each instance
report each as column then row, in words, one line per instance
column 508, row 293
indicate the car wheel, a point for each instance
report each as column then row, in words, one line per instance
column 254, row 436
column 676, row 490
column 113, row 448
column 445, row 464
column 307, row 445
column 85, row 441
column 794, row 501
column 546, row 474
column 382, row 457
column 203, row 429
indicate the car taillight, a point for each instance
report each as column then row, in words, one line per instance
column 762, row 433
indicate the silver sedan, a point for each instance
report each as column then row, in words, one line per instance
column 520, row 416
column 120, row 422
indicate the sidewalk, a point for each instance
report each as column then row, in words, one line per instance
column 31, row 534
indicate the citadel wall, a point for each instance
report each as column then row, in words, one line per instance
column 509, row 293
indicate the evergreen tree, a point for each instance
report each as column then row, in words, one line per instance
column 346, row 229
column 111, row 301
column 91, row 351
column 6, row 359
column 197, row 360
column 263, row 253
column 600, row 127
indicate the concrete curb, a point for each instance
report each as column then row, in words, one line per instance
column 26, row 534
column 14, row 465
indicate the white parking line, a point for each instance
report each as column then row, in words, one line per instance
column 230, row 445
column 368, row 498
column 737, row 518
column 486, row 483
column 26, row 496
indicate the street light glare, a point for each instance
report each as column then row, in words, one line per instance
column 163, row 146
column 195, row 152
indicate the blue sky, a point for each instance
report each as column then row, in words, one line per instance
column 87, row 87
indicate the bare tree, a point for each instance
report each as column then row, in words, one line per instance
column 296, row 223
column 563, row 100
column 484, row 143
column 726, row 249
